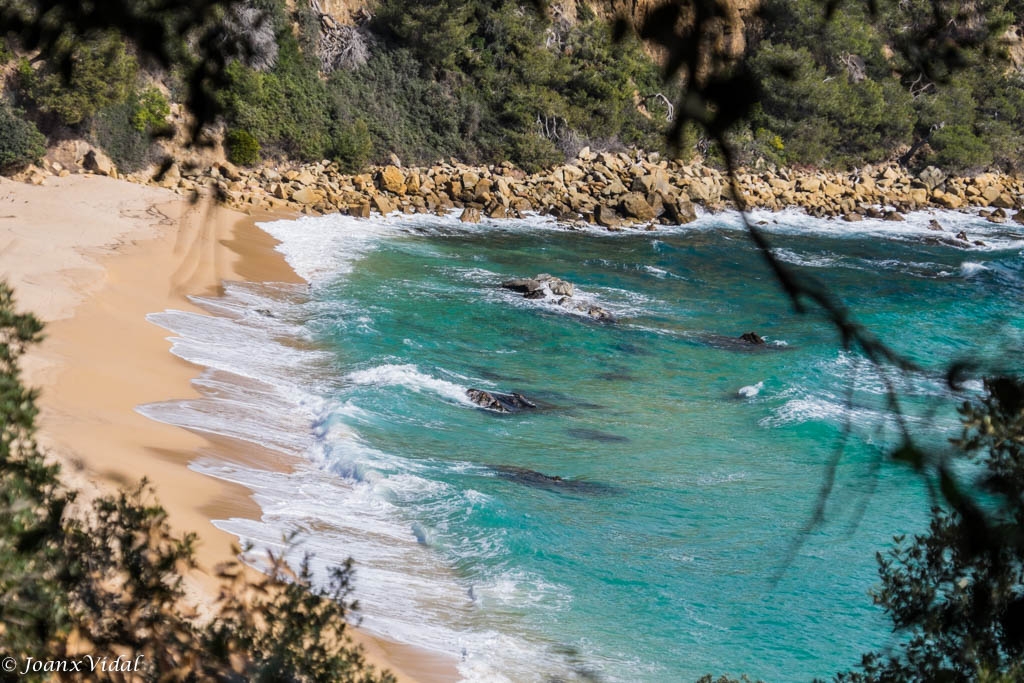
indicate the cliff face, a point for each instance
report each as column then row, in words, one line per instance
column 347, row 12
column 725, row 39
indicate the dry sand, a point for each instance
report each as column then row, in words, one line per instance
column 92, row 257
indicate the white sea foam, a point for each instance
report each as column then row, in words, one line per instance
column 916, row 227
column 410, row 377
column 807, row 260
column 970, row 268
column 750, row 391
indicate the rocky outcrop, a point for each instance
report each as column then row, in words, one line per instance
column 560, row 292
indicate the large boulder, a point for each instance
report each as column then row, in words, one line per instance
column 932, row 178
column 305, row 177
column 808, row 184
column 99, row 163
column 539, row 287
column 470, row 214
column 680, row 211
column 381, row 203
column 558, row 286
column 390, row 179
column 651, row 182
column 606, row 216
column 523, row 285
column 229, row 170
column 634, row 205
column 171, row 177
column 306, row 195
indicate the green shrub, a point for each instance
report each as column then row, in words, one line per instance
column 114, row 130
column 243, row 149
column 102, row 74
column 958, row 148
column 353, row 146
column 822, row 119
column 151, row 111
column 21, row 143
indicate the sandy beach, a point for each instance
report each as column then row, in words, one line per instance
column 92, row 257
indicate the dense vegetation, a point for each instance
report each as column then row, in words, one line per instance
column 863, row 86
column 107, row 578
column 493, row 81
column 480, row 81
column 102, row 96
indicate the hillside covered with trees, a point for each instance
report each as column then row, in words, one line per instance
column 512, row 81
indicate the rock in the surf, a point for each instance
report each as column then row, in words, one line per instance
column 558, row 286
column 523, row 285
column 600, row 314
column 752, row 338
column 540, row 286
column 500, row 403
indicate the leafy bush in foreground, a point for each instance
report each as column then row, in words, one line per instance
column 956, row 593
column 107, row 578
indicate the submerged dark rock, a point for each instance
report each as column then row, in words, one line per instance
column 596, row 435
column 500, row 403
column 528, row 477
column 742, row 343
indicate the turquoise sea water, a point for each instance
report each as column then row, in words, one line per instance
column 667, row 549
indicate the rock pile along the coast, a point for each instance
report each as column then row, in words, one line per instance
column 614, row 190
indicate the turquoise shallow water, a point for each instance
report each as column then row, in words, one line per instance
column 680, row 500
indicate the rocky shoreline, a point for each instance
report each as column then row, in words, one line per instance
column 614, row 190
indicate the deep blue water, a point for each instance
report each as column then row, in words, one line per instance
column 668, row 548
